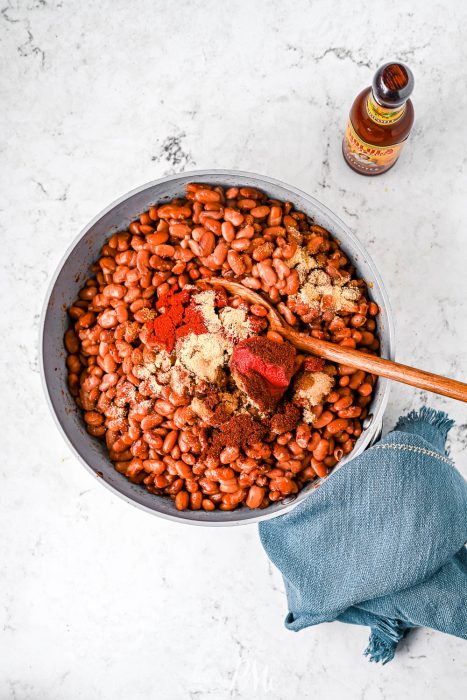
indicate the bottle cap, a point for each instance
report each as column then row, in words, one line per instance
column 393, row 84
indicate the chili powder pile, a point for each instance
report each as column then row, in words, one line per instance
column 240, row 431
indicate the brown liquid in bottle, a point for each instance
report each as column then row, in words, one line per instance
column 380, row 121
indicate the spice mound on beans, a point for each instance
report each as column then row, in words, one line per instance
column 197, row 399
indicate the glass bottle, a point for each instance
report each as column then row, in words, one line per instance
column 380, row 121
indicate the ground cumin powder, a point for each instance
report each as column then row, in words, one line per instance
column 318, row 288
column 204, row 355
column 310, row 390
column 220, row 317
column 303, row 262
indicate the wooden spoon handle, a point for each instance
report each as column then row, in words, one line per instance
column 377, row 365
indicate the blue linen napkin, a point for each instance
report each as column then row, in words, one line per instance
column 381, row 541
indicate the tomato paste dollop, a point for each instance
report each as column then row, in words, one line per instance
column 263, row 368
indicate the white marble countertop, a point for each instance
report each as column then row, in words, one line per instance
column 98, row 599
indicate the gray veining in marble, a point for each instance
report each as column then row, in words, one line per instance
column 99, row 600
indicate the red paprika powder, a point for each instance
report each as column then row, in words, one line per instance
column 179, row 318
column 193, row 322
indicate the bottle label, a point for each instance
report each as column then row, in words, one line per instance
column 365, row 157
column 383, row 115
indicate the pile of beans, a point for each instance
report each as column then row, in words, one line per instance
column 238, row 234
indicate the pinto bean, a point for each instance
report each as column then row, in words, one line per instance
column 219, row 253
column 351, row 412
column 319, row 468
column 171, row 211
column 206, row 244
column 240, row 245
column 292, row 283
column 337, row 425
column 228, row 231
column 205, row 196
column 321, row 450
column 342, row 403
column 107, row 319
column 260, row 212
column 303, row 435
column 323, row 420
column 229, row 455
column 182, row 500
column 281, row 268
column 267, row 274
column 251, row 283
column 233, row 216
column 71, row 342
column 365, row 389
column 246, row 232
column 170, row 440
column 236, row 263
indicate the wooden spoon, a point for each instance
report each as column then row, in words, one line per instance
column 348, row 356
